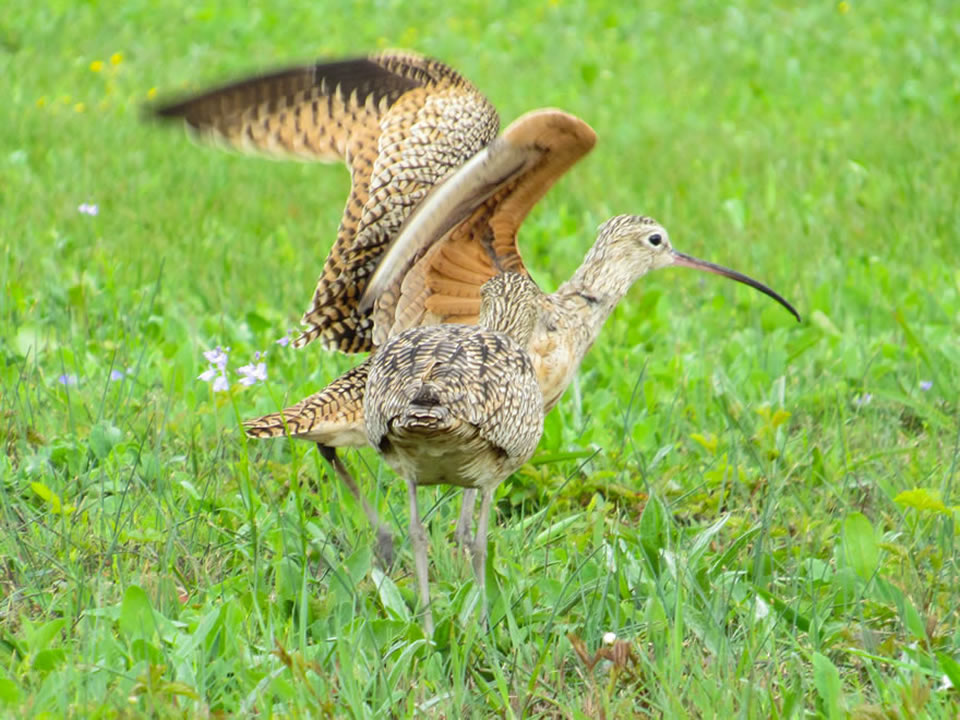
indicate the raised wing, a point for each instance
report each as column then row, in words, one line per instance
column 400, row 121
column 465, row 232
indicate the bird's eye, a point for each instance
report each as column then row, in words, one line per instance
column 655, row 239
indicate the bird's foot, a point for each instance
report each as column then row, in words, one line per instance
column 385, row 549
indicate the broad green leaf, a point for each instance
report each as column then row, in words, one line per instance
column 43, row 636
column 136, row 615
column 908, row 613
column 653, row 532
column 913, row 621
column 27, row 340
column 103, row 436
column 287, row 579
column 704, row 537
column 140, row 649
column 951, row 668
column 50, row 659
column 826, row 679
column 358, row 563
column 187, row 644
column 405, row 661
column 390, row 596
column 9, row 692
column 860, row 545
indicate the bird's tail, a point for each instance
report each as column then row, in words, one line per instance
column 425, row 413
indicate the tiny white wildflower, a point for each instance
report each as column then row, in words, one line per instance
column 221, row 384
column 609, row 638
column 207, row 375
column 88, row 208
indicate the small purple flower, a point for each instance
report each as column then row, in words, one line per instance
column 285, row 340
column 926, row 385
column 217, row 371
column 862, row 400
column 217, row 357
column 88, row 208
column 67, row 380
column 253, row 373
column 116, row 375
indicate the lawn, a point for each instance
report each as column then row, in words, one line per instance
column 729, row 513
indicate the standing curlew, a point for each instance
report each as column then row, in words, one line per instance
column 568, row 321
column 459, row 405
column 401, row 123
column 433, row 213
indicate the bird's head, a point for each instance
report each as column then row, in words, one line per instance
column 630, row 246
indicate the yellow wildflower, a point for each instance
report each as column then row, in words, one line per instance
column 151, row 93
column 79, row 107
column 42, row 101
column 116, row 58
column 844, row 7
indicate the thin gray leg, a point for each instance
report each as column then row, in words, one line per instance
column 479, row 547
column 418, row 538
column 384, row 536
column 462, row 534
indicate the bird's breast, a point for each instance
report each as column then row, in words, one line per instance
column 555, row 362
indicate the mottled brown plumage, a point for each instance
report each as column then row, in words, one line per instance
column 459, row 405
column 400, row 121
column 331, row 417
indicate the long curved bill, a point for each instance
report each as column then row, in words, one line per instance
column 684, row 260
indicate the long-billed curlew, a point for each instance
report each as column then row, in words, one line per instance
column 433, row 213
column 401, row 122
column 459, row 405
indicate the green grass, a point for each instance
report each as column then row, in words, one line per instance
column 764, row 513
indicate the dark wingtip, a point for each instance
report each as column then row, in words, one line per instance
column 165, row 110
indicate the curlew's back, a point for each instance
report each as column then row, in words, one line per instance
column 453, row 404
